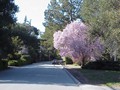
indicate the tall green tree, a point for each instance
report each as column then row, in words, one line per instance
column 58, row 14
column 5, row 43
column 7, row 18
column 26, row 36
column 7, row 12
column 62, row 12
column 102, row 16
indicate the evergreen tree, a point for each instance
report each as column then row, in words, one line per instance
column 101, row 15
column 58, row 15
column 103, row 18
column 7, row 12
column 7, row 18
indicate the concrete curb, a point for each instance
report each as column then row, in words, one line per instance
column 72, row 77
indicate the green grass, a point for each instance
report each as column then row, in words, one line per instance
column 102, row 77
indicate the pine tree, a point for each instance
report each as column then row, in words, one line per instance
column 7, row 12
column 58, row 14
column 103, row 18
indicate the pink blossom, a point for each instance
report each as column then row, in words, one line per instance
column 74, row 42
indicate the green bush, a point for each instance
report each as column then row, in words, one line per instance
column 16, row 62
column 15, row 56
column 103, row 65
column 26, row 59
column 33, row 54
column 21, row 62
column 3, row 64
column 68, row 60
column 13, row 63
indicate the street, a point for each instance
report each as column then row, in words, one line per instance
column 41, row 76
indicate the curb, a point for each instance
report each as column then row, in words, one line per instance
column 72, row 77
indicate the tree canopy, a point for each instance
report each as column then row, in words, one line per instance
column 102, row 16
column 58, row 14
column 7, row 12
column 74, row 42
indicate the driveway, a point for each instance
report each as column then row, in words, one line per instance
column 41, row 76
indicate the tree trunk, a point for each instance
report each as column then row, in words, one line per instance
column 115, row 56
column 83, row 61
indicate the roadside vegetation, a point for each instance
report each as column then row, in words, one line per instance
column 102, row 77
column 19, row 42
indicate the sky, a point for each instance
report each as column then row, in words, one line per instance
column 34, row 10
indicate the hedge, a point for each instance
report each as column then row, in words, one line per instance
column 12, row 63
column 103, row 65
column 24, row 60
column 68, row 60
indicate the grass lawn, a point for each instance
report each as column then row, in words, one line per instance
column 102, row 77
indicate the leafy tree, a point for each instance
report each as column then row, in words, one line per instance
column 61, row 12
column 16, row 47
column 7, row 18
column 17, row 43
column 31, row 30
column 7, row 12
column 102, row 16
column 58, row 14
column 74, row 42
column 5, row 43
column 27, row 37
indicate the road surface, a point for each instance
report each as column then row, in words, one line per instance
column 41, row 76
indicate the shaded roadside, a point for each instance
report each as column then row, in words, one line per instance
column 101, row 78
column 78, row 75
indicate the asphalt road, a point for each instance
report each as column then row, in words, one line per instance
column 41, row 76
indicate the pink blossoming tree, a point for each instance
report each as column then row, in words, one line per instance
column 74, row 42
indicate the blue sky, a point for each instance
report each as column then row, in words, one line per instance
column 34, row 10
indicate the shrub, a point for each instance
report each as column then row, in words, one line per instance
column 26, row 59
column 103, row 65
column 10, row 56
column 12, row 63
column 68, row 60
column 3, row 64
column 21, row 62
column 33, row 53
column 16, row 62
column 15, row 56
